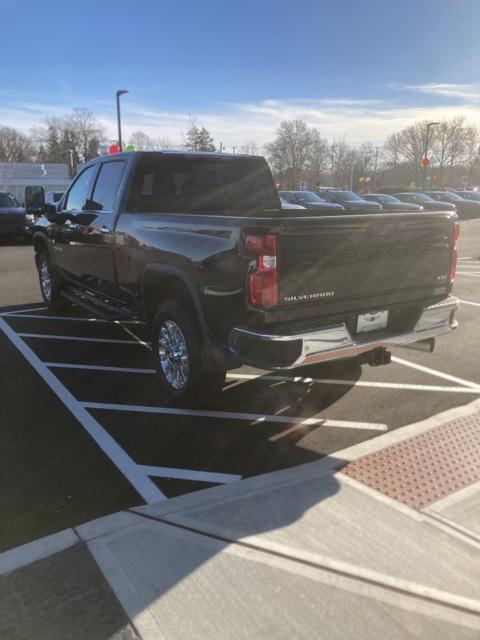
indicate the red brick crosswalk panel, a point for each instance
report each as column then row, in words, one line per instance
column 427, row 467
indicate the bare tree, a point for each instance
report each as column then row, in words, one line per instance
column 250, row 148
column 86, row 133
column 449, row 144
column 343, row 159
column 141, row 141
column 472, row 155
column 296, row 152
column 165, row 143
column 73, row 137
column 15, row 146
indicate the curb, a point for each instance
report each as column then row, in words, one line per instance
column 43, row 547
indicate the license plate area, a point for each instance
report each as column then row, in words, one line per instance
column 372, row 321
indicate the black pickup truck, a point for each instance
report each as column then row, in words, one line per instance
column 198, row 246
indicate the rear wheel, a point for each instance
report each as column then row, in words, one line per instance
column 184, row 373
column 50, row 284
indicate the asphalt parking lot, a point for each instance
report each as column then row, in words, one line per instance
column 85, row 431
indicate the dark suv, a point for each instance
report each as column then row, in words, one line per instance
column 349, row 200
column 465, row 208
column 428, row 203
column 392, row 204
column 310, row 200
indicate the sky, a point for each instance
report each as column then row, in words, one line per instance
column 360, row 69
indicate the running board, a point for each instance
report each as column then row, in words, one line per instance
column 100, row 308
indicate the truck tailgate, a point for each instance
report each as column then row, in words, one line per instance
column 360, row 258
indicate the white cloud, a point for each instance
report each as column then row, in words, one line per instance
column 469, row 92
column 238, row 123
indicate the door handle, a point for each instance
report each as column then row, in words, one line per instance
column 105, row 229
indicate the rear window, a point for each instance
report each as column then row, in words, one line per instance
column 183, row 184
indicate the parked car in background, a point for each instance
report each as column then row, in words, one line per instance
column 391, row 204
column 469, row 194
column 14, row 220
column 310, row 200
column 349, row 200
column 465, row 208
column 428, row 203
column 289, row 205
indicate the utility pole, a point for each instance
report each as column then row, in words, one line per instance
column 70, row 162
column 375, row 171
column 425, row 153
column 119, row 93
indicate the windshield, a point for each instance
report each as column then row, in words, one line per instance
column 182, row 183
column 8, row 201
column 386, row 199
column 420, row 197
column 447, row 196
column 309, row 196
column 471, row 195
column 346, row 196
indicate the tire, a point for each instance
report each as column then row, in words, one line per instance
column 50, row 284
column 186, row 375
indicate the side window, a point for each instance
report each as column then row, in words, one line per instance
column 80, row 191
column 107, row 185
column 288, row 197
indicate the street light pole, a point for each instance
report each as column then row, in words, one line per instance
column 375, row 171
column 119, row 93
column 425, row 152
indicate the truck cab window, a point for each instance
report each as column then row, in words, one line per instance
column 107, row 185
column 79, row 193
column 185, row 184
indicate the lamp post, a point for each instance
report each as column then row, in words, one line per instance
column 425, row 152
column 120, row 92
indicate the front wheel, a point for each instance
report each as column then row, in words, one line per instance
column 50, row 284
column 177, row 351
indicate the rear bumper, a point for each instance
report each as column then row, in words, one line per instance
column 274, row 351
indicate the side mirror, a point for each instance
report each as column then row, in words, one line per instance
column 35, row 200
column 53, row 215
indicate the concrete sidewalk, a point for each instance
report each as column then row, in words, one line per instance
column 309, row 552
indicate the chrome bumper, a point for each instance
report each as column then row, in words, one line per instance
column 335, row 342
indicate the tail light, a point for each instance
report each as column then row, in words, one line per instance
column 263, row 277
column 453, row 264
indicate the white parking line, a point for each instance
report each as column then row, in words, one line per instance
column 48, row 336
column 255, row 418
column 190, row 474
column 466, row 258
column 438, row 374
column 474, row 304
column 132, row 471
column 133, row 335
column 356, row 383
column 7, row 313
column 267, row 378
column 472, row 275
column 95, row 367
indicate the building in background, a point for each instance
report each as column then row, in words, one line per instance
column 15, row 176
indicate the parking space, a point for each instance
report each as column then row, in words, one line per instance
column 116, row 443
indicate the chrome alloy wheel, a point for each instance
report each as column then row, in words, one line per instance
column 46, row 280
column 173, row 352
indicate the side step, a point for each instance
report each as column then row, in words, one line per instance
column 100, row 308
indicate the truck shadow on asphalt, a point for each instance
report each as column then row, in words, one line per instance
column 210, row 554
